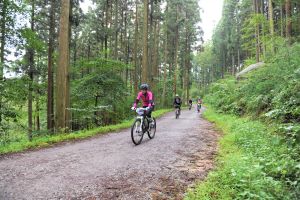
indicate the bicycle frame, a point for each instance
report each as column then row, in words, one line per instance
column 142, row 117
column 142, row 121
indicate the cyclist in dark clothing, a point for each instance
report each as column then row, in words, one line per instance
column 177, row 102
column 190, row 104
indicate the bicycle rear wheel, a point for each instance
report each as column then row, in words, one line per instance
column 152, row 129
column 137, row 132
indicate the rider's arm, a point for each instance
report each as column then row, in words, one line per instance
column 137, row 99
column 150, row 99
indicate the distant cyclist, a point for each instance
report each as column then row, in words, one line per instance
column 190, row 104
column 177, row 102
column 199, row 104
column 147, row 99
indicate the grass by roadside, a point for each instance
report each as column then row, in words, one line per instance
column 253, row 163
column 45, row 141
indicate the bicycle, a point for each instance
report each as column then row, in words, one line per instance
column 198, row 107
column 141, row 125
column 177, row 113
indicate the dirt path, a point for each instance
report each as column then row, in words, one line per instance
column 111, row 167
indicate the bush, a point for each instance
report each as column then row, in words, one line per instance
column 253, row 163
column 272, row 92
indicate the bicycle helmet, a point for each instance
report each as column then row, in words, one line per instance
column 144, row 86
column 176, row 95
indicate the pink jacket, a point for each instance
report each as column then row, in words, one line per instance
column 147, row 99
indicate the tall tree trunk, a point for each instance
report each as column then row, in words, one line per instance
column 288, row 28
column 96, row 121
column 176, row 53
column 271, row 22
column 30, row 73
column 223, row 65
column 186, row 58
column 145, row 44
column 107, row 14
column 188, row 77
column 62, row 75
column 239, row 59
column 136, row 38
column 37, row 111
column 116, row 30
column 155, row 56
column 50, row 96
column 281, row 21
column 233, row 63
column 165, row 72
column 165, row 61
column 257, row 35
column 2, row 55
column 75, row 46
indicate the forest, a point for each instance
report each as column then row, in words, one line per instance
column 65, row 71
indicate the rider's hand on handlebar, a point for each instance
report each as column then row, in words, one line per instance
column 133, row 108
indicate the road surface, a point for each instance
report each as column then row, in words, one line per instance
column 111, row 167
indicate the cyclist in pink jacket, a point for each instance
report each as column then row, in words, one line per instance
column 147, row 99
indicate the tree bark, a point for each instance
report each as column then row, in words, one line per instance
column 2, row 55
column 186, row 67
column 288, row 28
column 107, row 10
column 176, row 54
column 165, row 62
column 271, row 22
column 155, row 57
column 136, row 37
column 37, row 112
column 145, row 44
column 165, row 72
column 62, row 75
column 116, row 30
column 281, row 21
column 30, row 74
column 257, row 35
column 50, row 97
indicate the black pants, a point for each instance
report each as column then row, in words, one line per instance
column 178, row 106
column 149, row 112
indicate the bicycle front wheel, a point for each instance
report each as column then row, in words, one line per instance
column 152, row 129
column 137, row 132
column 177, row 113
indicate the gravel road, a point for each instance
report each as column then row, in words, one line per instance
column 111, row 167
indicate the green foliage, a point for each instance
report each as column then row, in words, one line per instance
column 248, row 30
column 99, row 94
column 253, row 163
column 272, row 92
column 32, row 40
column 257, row 161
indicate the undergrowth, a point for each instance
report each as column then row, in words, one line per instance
column 253, row 163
